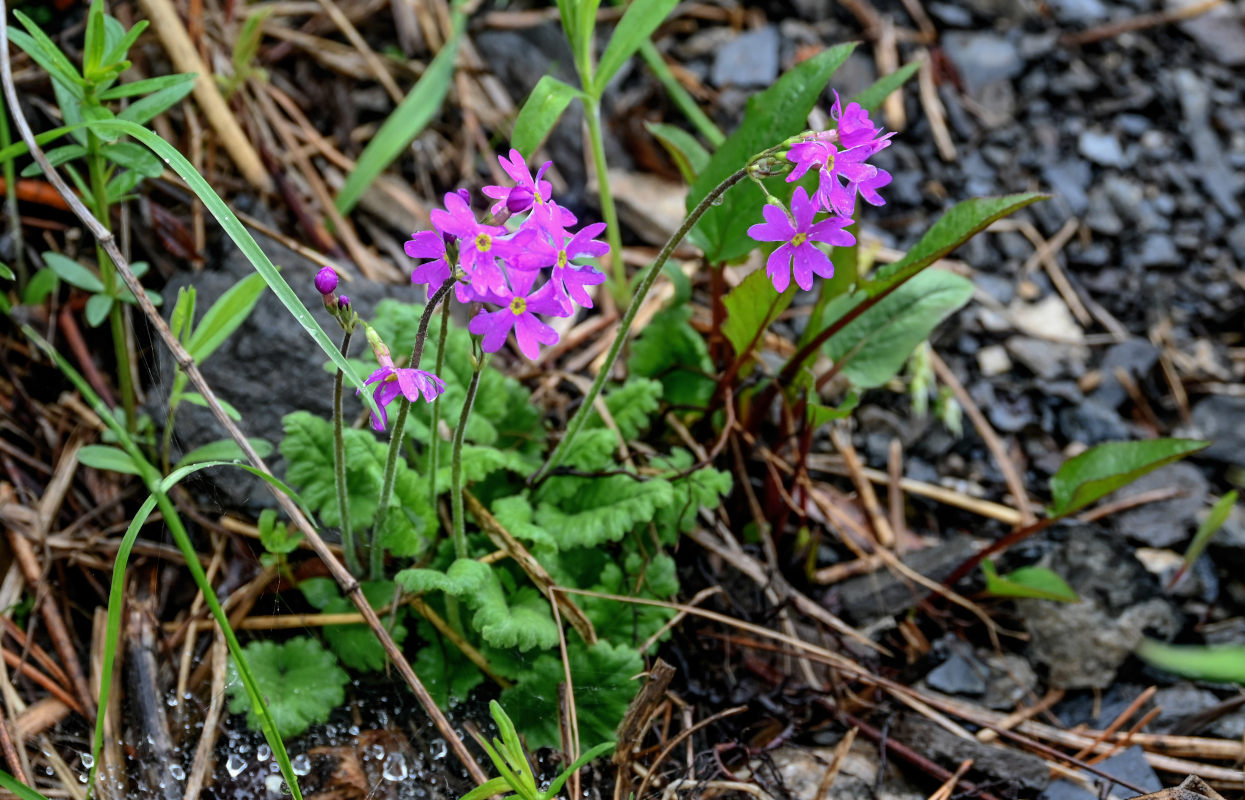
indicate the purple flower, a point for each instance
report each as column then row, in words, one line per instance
column 526, row 190
column 854, row 126
column 326, row 281
column 428, row 244
column 797, row 232
column 521, row 305
column 558, row 251
column 410, row 383
column 479, row 245
column 834, row 166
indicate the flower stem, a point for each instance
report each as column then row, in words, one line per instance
column 456, row 462
column 399, row 430
column 349, row 547
column 434, row 437
column 646, row 283
column 618, row 270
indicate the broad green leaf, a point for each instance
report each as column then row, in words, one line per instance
column 687, row 153
column 872, row 348
column 158, row 102
column 72, row 272
column 122, row 184
column 770, row 117
column 40, row 285
column 750, row 309
column 872, row 97
column 672, row 351
column 225, row 315
column 194, row 398
column 356, row 645
column 1037, row 582
column 134, row 156
column 224, row 450
column 1101, row 470
column 56, row 157
column 541, row 111
column 147, row 85
column 300, row 680
column 405, row 123
column 1213, row 522
column 46, row 54
column 97, row 308
column 93, row 114
column 100, row 456
column 1218, row 663
column 6, row 273
column 954, row 228
column 276, row 536
column 637, row 24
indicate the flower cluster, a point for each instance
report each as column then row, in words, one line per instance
column 839, row 158
column 505, row 266
column 392, row 381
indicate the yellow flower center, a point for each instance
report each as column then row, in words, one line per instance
column 799, row 239
column 484, row 242
column 561, row 259
column 518, row 306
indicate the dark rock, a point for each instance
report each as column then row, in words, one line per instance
column 1011, row 679
column 982, row 58
column 1047, row 359
column 1129, row 766
column 1222, row 420
column 1079, row 11
column 1083, row 644
column 1158, row 250
column 961, row 673
column 1228, row 544
column 1129, row 199
column 1221, row 182
column 1166, row 522
column 1179, row 703
column 1001, row 289
column 1220, row 32
column 1091, row 423
column 1236, row 240
column 951, row 14
column 1069, row 179
column 1136, row 357
column 1008, row 765
column 1102, row 148
column 1102, row 217
column 750, row 59
column 867, row 598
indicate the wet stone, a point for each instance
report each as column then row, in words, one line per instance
column 1136, row 357
column 961, row 673
column 1092, row 423
column 1159, row 250
column 1102, row 148
column 982, row 58
column 1166, row 522
column 1069, row 179
column 1221, row 420
column 750, row 59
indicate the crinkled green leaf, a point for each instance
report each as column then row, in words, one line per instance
column 672, row 351
column 592, row 450
column 444, row 670
column 514, row 513
column 604, row 679
column 587, row 512
column 1101, row 470
column 703, row 488
column 630, row 405
column 300, row 680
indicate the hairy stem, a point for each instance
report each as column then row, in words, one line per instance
column 349, row 547
column 646, row 283
column 618, row 270
column 456, row 462
column 434, row 438
column 399, row 430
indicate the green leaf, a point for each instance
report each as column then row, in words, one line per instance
column 631, row 405
column 134, row 156
column 147, row 85
column 40, row 285
column 579, row 763
column 56, row 157
column 1213, row 522
column 872, row 348
column 183, row 313
column 224, row 317
column 93, row 46
column 1036, row 582
column 99, row 456
column 1101, row 470
column 770, row 117
column 872, row 97
column 6, row 273
column 702, row 488
column 225, row 450
column 122, row 184
column 199, row 400
column 819, row 414
column 93, row 114
column 300, row 680
column 121, row 46
column 687, row 153
column 603, row 678
column 275, row 536
column 46, row 54
column 21, row 790
column 356, row 645
column 587, row 512
column 954, row 228
column 72, row 272
column 1218, row 664
column 637, row 24
column 445, row 671
column 750, row 309
column 487, row 789
column 541, row 111
column 671, row 350
column 159, row 101
column 405, row 123
column 97, row 308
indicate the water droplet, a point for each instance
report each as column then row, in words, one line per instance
column 301, row 764
column 439, row 749
column 376, row 751
column 235, row 765
column 87, row 759
column 50, row 772
column 177, row 772
column 263, row 752
column 171, row 701
column 274, row 785
column 82, row 778
column 395, row 768
column 353, row 730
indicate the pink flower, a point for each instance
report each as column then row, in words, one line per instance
column 410, row 383
column 797, row 232
column 558, row 251
column 520, row 307
column 479, row 245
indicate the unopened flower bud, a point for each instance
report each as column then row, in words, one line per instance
column 519, row 200
column 343, row 302
column 465, row 195
column 326, row 281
